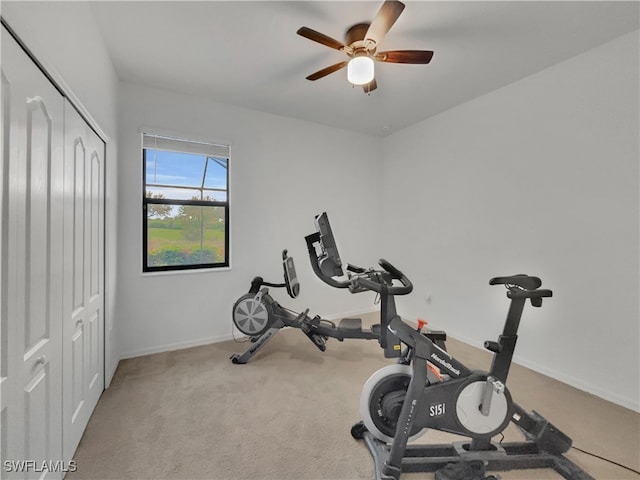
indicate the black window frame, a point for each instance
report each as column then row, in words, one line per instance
column 146, row 201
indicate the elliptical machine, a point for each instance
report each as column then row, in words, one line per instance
column 257, row 315
column 400, row 402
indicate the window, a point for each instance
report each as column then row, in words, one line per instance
column 185, row 204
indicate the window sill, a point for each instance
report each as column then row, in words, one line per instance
column 187, row 271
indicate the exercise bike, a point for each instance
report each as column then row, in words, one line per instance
column 257, row 315
column 429, row 388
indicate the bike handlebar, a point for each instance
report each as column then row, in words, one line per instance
column 364, row 282
column 364, row 279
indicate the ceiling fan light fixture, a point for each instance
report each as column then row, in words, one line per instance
column 360, row 70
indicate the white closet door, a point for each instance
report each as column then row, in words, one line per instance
column 83, row 349
column 32, row 280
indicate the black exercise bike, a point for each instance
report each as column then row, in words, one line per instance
column 260, row 317
column 429, row 388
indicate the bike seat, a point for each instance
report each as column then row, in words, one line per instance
column 521, row 280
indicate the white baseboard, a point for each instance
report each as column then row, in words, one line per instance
column 176, row 346
column 218, row 338
column 631, row 404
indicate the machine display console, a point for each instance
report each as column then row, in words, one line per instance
column 329, row 260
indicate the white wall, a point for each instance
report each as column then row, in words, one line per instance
column 539, row 177
column 64, row 37
column 283, row 172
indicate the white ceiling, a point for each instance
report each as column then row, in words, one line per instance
column 247, row 53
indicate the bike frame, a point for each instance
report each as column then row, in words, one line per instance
column 423, row 350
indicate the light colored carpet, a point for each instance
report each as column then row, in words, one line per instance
column 287, row 414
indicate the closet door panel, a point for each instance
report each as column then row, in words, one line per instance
column 83, row 349
column 36, row 260
column 6, row 383
column 94, row 278
column 75, row 409
column 32, row 263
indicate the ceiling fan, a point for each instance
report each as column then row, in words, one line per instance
column 361, row 46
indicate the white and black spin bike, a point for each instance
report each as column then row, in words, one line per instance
column 429, row 388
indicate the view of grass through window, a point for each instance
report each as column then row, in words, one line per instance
column 186, row 204
column 186, row 235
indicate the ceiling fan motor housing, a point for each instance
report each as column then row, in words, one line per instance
column 355, row 34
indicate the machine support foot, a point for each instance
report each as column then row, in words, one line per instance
column 501, row 457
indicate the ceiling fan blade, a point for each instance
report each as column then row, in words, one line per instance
column 384, row 20
column 370, row 87
column 307, row 32
column 405, row 56
column 326, row 71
